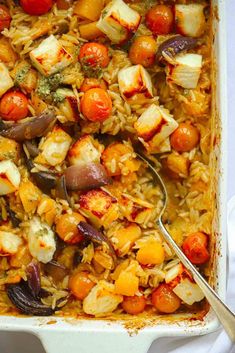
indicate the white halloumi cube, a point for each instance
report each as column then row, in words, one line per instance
column 9, row 177
column 9, row 243
column 190, row 19
column 6, row 81
column 67, row 104
column 186, row 70
column 135, row 84
column 154, row 126
column 50, row 56
column 102, row 299
column 183, row 285
column 41, row 240
column 85, row 150
column 54, row 148
column 118, row 21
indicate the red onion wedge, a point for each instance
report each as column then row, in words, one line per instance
column 92, row 234
column 86, row 177
column 28, row 130
column 174, row 46
column 33, row 278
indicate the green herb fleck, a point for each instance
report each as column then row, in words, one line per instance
column 46, row 85
column 58, row 97
column 21, row 75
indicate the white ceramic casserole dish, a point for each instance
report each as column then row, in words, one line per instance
column 60, row 335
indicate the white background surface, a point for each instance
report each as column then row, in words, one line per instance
column 24, row 343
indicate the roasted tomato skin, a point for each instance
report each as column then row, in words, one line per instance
column 143, row 50
column 165, row 300
column 160, row 19
column 36, row 7
column 5, row 17
column 185, row 138
column 195, row 248
column 96, row 105
column 94, row 55
column 13, row 106
column 134, row 305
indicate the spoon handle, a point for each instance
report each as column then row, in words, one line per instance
column 224, row 314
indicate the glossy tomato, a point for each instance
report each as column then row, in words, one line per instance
column 36, row 7
column 13, row 106
column 5, row 17
column 165, row 300
column 96, row 105
column 160, row 19
column 94, row 55
column 195, row 248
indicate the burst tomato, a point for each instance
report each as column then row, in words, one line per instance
column 195, row 248
column 13, row 106
column 96, row 105
column 36, row 7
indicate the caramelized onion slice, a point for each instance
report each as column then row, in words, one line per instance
column 23, row 299
column 33, row 278
column 174, row 46
column 30, row 129
column 92, row 234
column 86, row 176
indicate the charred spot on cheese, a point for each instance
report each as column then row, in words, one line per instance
column 118, row 21
column 135, row 84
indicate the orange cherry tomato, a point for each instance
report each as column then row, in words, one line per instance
column 80, row 285
column 160, row 19
column 66, row 227
column 5, row 17
column 134, row 305
column 96, row 105
column 195, row 248
column 89, row 83
column 94, row 55
column 64, row 4
column 185, row 138
column 165, row 300
column 14, row 106
column 36, row 7
column 143, row 50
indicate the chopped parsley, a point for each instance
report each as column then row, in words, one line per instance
column 46, row 85
column 58, row 97
column 21, row 75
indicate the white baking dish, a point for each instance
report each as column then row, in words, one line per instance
column 86, row 336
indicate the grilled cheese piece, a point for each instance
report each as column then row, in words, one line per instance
column 154, row 127
column 9, row 177
column 190, row 19
column 41, row 240
column 50, row 56
column 186, row 70
column 183, row 285
column 135, row 84
column 6, row 81
column 118, row 21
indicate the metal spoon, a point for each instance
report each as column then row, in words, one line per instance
column 224, row 314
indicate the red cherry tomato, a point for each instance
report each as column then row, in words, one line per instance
column 134, row 305
column 36, row 7
column 160, row 19
column 13, row 106
column 96, row 105
column 94, row 55
column 195, row 248
column 165, row 300
column 5, row 17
